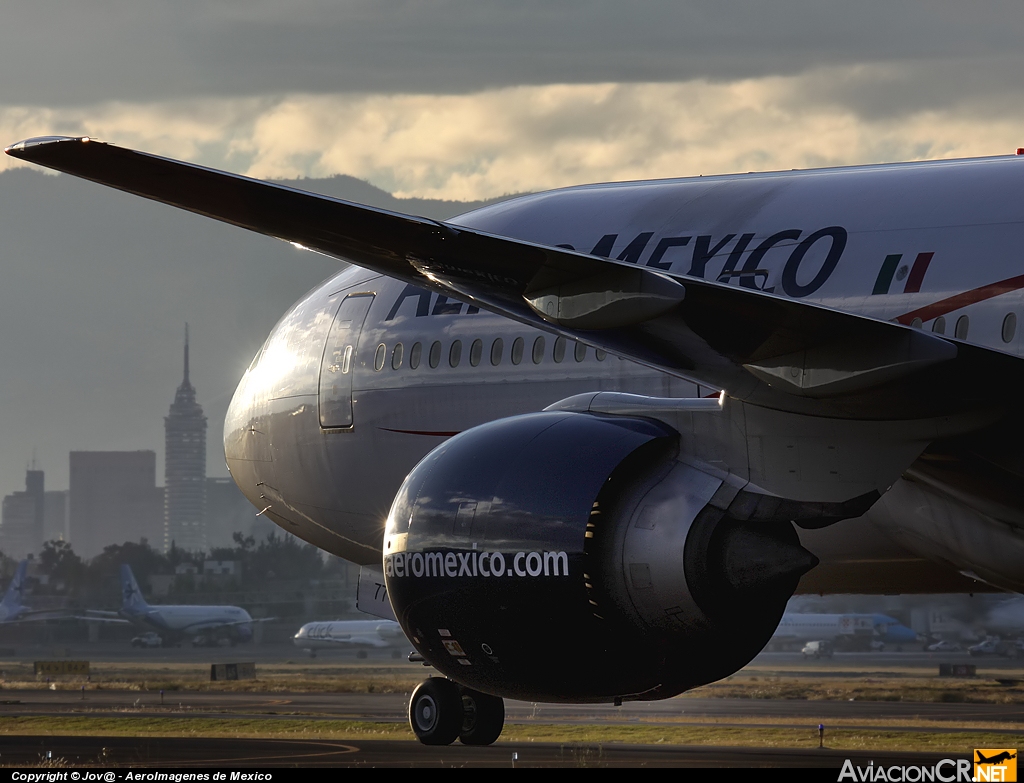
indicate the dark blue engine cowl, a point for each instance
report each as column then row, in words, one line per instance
column 570, row 557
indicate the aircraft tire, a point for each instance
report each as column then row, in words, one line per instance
column 435, row 711
column 483, row 717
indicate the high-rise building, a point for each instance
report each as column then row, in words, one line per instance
column 21, row 523
column 55, row 515
column 185, row 468
column 113, row 499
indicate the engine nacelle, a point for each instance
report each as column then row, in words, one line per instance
column 570, row 557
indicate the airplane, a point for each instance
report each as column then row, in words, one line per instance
column 12, row 610
column 1001, row 756
column 337, row 634
column 11, row 607
column 803, row 627
column 1005, row 618
column 589, row 442
column 174, row 623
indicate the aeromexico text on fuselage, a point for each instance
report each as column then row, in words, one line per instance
column 665, row 253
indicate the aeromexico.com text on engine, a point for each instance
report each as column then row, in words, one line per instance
column 476, row 563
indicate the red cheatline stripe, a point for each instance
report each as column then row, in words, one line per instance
column 943, row 306
column 421, row 432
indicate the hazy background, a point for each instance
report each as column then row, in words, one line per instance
column 95, row 291
column 454, row 99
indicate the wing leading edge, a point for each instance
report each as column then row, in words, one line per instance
column 768, row 350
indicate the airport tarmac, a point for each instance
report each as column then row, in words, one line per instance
column 107, row 700
column 391, row 707
column 114, row 652
column 180, row 752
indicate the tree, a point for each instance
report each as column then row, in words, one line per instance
column 105, row 569
column 59, row 562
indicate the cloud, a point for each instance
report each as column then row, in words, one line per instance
column 83, row 52
column 516, row 139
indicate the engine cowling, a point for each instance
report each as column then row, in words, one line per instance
column 571, row 557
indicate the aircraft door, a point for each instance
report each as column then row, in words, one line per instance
column 338, row 364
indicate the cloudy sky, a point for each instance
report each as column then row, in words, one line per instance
column 477, row 98
column 453, row 99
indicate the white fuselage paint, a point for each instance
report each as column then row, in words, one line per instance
column 955, row 226
column 193, row 619
column 336, row 634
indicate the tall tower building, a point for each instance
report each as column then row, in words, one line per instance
column 185, row 468
column 21, row 522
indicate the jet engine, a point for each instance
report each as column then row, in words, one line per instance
column 565, row 556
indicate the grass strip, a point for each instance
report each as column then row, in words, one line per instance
column 746, row 736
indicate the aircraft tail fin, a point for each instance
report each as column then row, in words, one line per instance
column 132, row 601
column 12, row 598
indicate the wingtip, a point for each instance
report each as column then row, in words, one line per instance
column 20, row 149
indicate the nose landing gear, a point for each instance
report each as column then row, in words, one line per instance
column 441, row 711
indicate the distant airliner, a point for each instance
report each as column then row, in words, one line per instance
column 175, row 623
column 804, row 627
column 591, row 441
column 12, row 610
column 339, row 634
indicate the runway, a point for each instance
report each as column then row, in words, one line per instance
column 181, row 752
column 108, row 701
column 391, row 707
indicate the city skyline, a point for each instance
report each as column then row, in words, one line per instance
column 113, row 496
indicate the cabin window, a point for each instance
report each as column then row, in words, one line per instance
column 378, row 358
column 415, row 353
column 559, row 352
column 1009, row 327
column 455, row 353
column 397, row 354
column 963, row 323
column 580, row 353
column 434, row 358
column 600, row 355
column 538, row 350
column 939, row 325
column 517, row 350
column 916, row 323
column 476, row 350
column 497, row 349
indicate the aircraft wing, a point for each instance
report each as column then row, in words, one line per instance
column 103, row 616
column 213, row 624
column 766, row 349
column 39, row 615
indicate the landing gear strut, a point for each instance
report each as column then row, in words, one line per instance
column 441, row 711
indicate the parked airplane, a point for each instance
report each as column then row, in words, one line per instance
column 11, row 607
column 175, row 623
column 852, row 628
column 340, row 634
column 1006, row 618
column 674, row 403
column 12, row 610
